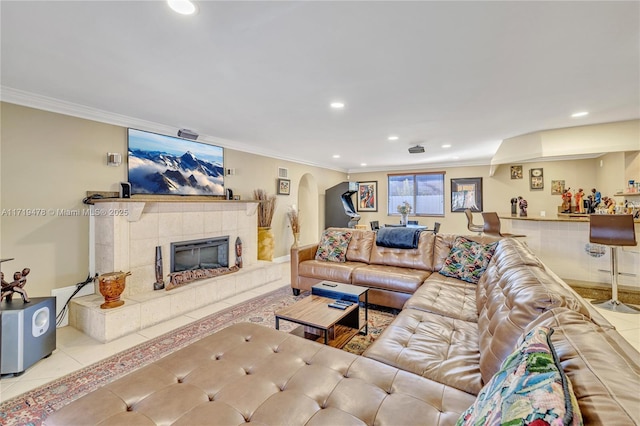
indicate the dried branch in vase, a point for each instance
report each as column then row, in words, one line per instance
column 266, row 207
column 294, row 219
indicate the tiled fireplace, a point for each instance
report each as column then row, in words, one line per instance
column 128, row 243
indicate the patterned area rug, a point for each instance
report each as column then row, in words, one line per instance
column 32, row 407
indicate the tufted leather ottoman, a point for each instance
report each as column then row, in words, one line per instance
column 249, row 373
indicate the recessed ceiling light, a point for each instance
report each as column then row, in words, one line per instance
column 336, row 155
column 455, row 157
column 447, row 145
column 363, row 164
column 337, row 105
column 183, row 7
column 579, row 114
column 392, row 138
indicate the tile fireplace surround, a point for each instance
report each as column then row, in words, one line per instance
column 128, row 243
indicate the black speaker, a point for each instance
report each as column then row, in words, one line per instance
column 28, row 333
column 125, row 190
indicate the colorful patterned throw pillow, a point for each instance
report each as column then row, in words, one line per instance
column 333, row 246
column 529, row 389
column 468, row 260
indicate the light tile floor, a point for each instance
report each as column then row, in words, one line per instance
column 76, row 350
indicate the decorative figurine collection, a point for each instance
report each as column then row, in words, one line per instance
column 16, row 286
column 595, row 203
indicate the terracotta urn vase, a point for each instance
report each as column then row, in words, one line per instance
column 111, row 287
column 266, row 243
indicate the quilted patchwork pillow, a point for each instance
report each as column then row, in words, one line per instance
column 529, row 389
column 468, row 260
column 333, row 246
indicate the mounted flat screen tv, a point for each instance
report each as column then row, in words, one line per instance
column 160, row 164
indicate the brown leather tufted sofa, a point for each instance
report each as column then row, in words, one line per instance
column 426, row 368
column 392, row 274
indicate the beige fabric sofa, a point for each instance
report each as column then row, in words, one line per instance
column 426, row 368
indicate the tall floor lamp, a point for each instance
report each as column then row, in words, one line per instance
column 613, row 230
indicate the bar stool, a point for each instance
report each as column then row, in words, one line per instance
column 615, row 230
column 492, row 226
column 470, row 225
column 436, row 227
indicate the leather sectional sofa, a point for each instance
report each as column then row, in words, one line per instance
column 444, row 352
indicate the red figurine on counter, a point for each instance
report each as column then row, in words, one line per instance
column 579, row 204
column 566, row 200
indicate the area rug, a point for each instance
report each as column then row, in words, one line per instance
column 32, row 407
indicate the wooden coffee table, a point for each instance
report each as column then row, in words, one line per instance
column 320, row 322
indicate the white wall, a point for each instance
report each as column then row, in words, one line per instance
column 500, row 188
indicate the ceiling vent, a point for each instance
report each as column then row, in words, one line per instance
column 418, row 149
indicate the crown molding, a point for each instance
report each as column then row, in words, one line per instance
column 45, row 103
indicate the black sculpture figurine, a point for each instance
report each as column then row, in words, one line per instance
column 159, row 284
column 514, row 204
column 16, row 286
column 238, row 252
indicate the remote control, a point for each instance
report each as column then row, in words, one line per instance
column 337, row 306
column 344, row 302
column 330, row 285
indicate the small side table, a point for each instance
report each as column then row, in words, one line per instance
column 348, row 292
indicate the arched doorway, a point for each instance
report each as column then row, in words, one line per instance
column 308, row 206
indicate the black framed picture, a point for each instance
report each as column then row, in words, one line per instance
column 536, row 178
column 368, row 196
column 466, row 193
column 284, row 187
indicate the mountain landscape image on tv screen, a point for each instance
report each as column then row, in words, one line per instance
column 161, row 164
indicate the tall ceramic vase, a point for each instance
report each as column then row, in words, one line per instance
column 403, row 219
column 296, row 240
column 266, row 243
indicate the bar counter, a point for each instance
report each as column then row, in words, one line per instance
column 562, row 243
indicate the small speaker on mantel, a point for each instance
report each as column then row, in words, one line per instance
column 125, row 190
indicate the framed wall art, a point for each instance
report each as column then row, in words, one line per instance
column 516, row 172
column 536, row 178
column 284, row 187
column 466, row 193
column 368, row 196
column 557, row 187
